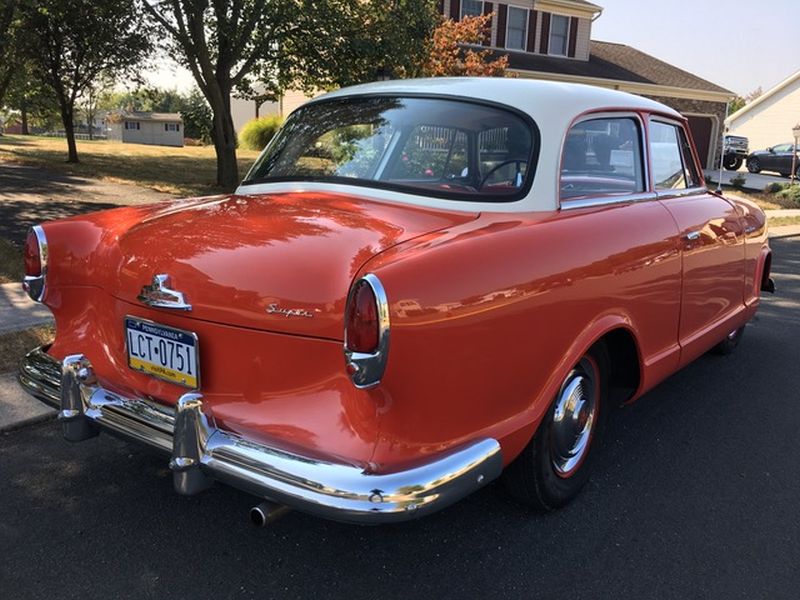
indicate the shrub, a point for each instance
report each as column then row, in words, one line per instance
column 774, row 188
column 791, row 193
column 257, row 133
column 738, row 181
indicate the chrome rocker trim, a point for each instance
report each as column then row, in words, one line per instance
column 201, row 453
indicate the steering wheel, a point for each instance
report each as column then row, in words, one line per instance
column 516, row 161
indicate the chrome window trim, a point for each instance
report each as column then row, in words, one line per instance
column 36, row 285
column 692, row 191
column 606, row 199
column 366, row 369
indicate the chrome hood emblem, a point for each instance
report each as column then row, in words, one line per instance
column 158, row 295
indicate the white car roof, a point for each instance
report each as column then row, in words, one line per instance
column 540, row 99
column 552, row 105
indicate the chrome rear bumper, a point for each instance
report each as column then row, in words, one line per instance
column 201, row 453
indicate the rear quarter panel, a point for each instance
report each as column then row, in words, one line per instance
column 488, row 318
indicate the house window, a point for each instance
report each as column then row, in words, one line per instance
column 172, row 127
column 471, row 8
column 559, row 33
column 517, row 28
column 131, row 124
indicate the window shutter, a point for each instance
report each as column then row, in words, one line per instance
column 488, row 7
column 544, row 44
column 455, row 9
column 532, row 31
column 573, row 36
column 502, row 15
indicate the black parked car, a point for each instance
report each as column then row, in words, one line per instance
column 777, row 158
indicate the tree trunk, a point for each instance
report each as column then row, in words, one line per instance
column 69, row 130
column 225, row 142
column 23, row 109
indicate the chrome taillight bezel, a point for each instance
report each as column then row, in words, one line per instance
column 367, row 369
column 36, row 285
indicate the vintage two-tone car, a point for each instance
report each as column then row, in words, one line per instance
column 418, row 287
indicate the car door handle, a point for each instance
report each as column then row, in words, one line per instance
column 693, row 236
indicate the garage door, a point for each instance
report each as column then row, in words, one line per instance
column 702, row 128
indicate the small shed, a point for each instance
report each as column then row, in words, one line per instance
column 134, row 127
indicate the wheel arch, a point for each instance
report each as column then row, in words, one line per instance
column 618, row 333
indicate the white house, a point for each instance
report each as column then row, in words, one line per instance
column 133, row 127
column 243, row 111
column 768, row 120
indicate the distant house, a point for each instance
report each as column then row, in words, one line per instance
column 133, row 127
column 243, row 111
column 768, row 120
column 551, row 39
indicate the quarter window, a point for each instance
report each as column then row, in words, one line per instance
column 559, row 32
column 602, row 157
column 471, row 8
column 670, row 154
column 517, row 28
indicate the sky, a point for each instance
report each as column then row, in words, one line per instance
column 738, row 44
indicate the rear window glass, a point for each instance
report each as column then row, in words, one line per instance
column 445, row 148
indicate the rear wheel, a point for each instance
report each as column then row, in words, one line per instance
column 753, row 165
column 555, row 465
column 732, row 163
column 730, row 342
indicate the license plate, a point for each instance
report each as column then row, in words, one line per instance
column 163, row 352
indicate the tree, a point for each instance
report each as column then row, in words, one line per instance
column 278, row 44
column 32, row 98
column 222, row 42
column 197, row 117
column 450, row 55
column 9, row 25
column 364, row 41
column 72, row 42
column 92, row 98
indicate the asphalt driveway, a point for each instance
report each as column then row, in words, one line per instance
column 695, row 495
column 30, row 195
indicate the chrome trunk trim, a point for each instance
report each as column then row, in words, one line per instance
column 201, row 453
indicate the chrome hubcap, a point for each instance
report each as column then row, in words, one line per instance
column 573, row 422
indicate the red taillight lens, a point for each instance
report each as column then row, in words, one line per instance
column 33, row 257
column 361, row 329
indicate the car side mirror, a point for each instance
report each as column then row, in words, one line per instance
column 770, row 150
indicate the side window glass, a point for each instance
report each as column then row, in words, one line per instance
column 665, row 153
column 602, row 157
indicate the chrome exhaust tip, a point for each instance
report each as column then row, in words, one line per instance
column 267, row 512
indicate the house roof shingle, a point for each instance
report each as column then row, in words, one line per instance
column 135, row 115
column 618, row 62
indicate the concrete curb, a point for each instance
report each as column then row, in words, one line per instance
column 18, row 312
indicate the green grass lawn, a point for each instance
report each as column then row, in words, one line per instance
column 10, row 262
column 188, row 171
